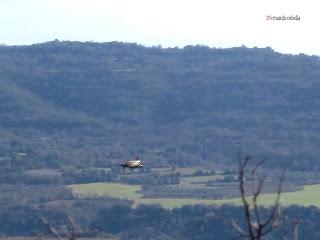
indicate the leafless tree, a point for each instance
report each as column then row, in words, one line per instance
column 74, row 230
column 256, row 225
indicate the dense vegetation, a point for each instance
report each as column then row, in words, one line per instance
column 92, row 104
column 70, row 112
column 149, row 221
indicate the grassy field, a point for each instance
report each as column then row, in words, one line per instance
column 189, row 181
column 117, row 190
column 310, row 195
column 182, row 171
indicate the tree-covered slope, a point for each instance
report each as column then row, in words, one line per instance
column 100, row 102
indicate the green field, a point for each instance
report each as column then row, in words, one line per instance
column 183, row 171
column 310, row 195
column 196, row 181
column 117, row 190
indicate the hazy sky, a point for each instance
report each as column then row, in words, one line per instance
column 171, row 23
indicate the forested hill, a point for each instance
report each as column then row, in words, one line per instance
column 92, row 103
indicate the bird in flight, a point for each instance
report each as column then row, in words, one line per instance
column 135, row 163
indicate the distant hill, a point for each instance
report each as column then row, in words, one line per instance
column 95, row 103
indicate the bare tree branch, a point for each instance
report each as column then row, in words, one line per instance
column 242, row 165
column 50, row 228
column 259, row 164
column 275, row 208
column 72, row 233
column 255, row 206
column 238, row 228
column 258, row 228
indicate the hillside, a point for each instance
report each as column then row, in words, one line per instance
column 91, row 104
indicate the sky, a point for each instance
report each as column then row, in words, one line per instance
column 169, row 23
